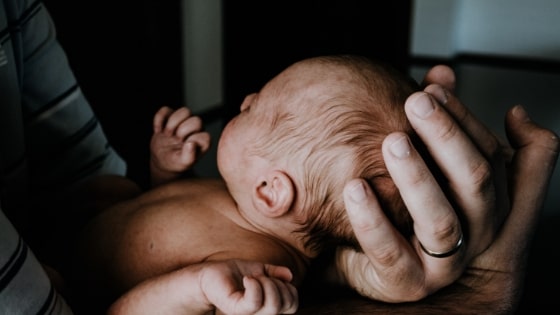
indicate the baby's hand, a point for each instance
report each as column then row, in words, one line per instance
column 241, row 287
column 177, row 142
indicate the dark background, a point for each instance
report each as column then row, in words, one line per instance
column 127, row 57
column 264, row 37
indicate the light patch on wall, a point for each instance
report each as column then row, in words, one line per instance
column 202, row 49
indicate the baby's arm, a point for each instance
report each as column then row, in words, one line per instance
column 230, row 287
column 177, row 142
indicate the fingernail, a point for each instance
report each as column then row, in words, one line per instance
column 357, row 192
column 438, row 92
column 520, row 113
column 423, row 106
column 400, row 148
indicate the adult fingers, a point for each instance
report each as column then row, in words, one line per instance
column 442, row 75
column 470, row 177
column 388, row 270
column 535, row 158
column 498, row 155
column 436, row 224
column 482, row 137
column 440, row 82
column 495, row 149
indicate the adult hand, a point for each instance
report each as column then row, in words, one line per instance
column 472, row 207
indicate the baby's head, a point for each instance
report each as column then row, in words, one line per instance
column 311, row 129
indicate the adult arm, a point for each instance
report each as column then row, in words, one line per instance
column 477, row 167
column 50, row 140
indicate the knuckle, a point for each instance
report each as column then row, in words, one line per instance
column 419, row 177
column 364, row 227
column 481, row 178
column 447, row 131
column 398, row 287
column 493, row 148
column 387, row 256
column 549, row 140
column 418, row 294
column 445, row 229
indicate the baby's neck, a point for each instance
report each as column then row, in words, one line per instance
column 282, row 230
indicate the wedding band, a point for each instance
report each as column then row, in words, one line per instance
column 444, row 254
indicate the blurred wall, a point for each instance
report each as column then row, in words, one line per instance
column 202, row 53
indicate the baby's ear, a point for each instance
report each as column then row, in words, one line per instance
column 274, row 194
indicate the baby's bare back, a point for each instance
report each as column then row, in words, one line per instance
column 175, row 225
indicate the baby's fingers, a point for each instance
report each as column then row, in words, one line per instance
column 289, row 299
column 160, row 118
column 278, row 297
column 194, row 147
column 253, row 297
column 188, row 126
column 175, row 120
column 201, row 141
column 279, row 272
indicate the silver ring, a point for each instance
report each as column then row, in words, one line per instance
column 444, row 254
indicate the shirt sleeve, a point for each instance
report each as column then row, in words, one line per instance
column 24, row 285
column 65, row 142
column 50, row 139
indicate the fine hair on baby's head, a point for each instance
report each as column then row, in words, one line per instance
column 331, row 116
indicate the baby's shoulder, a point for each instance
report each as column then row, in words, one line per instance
column 198, row 188
column 262, row 248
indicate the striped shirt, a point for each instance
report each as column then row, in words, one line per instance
column 24, row 286
column 50, row 139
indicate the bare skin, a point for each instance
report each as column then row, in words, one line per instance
column 147, row 236
column 494, row 257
